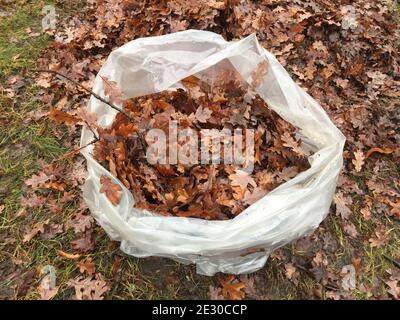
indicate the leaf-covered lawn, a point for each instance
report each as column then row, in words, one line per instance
column 346, row 57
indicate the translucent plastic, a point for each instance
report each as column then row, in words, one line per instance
column 240, row 245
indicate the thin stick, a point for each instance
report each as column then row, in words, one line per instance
column 397, row 264
column 141, row 138
column 74, row 151
column 92, row 131
column 86, row 145
column 86, row 89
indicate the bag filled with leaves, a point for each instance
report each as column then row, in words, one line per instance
column 209, row 153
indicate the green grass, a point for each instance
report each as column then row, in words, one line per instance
column 17, row 48
column 23, row 142
column 395, row 9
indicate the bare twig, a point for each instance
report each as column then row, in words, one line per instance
column 85, row 89
column 91, row 130
column 88, row 144
column 396, row 263
column 74, row 151
column 140, row 136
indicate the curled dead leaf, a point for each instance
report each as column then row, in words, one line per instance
column 86, row 266
column 71, row 256
column 379, row 150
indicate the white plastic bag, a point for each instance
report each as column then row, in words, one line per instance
column 240, row 245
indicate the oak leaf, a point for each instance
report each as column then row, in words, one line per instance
column 242, row 179
column 290, row 270
column 112, row 190
column 38, row 228
column 203, row 114
column 71, row 256
column 342, row 203
column 254, row 196
column 358, row 160
column 394, row 289
column 86, row 266
column 215, row 293
column 349, row 277
column 113, row 91
column 37, row 180
column 231, row 289
column 91, row 288
column 81, row 222
column 290, row 142
column 85, row 243
column 45, row 290
column 63, row 117
column 258, row 74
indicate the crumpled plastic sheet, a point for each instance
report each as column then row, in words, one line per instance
column 243, row 244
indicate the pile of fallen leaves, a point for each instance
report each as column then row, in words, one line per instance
column 344, row 53
column 208, row 191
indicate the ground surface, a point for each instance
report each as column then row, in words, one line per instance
column 347, row 59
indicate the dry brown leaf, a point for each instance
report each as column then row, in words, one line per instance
column 215, row 293
column 350, row 229
column 290, row 142
column 259, row 73
column 379, row 150
column 81, row 222
column 86, row 266
column 250, row 286
column 349, row 277
column 290, row 270
column 342, row 203
column 394, row 289
column 203, row 114
column 116, row 266
column 395, row 208
column 328, row 71
column 366, row 213
column 37, row 180
column 177, row 25
column 112, row 190
column 358, row 160
column 381, row 237
column 91, row 288
column 84, row 243
column 356, row 69
column 190, row 82
column 232, row 290
column 254, row 196
column 38, row 228
column 242, row 179
column 71, row 256
column 310, row 70
column 63, row 117
column 89, row 118
column 113, row 91
column 59, row 186
column 218, row 5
